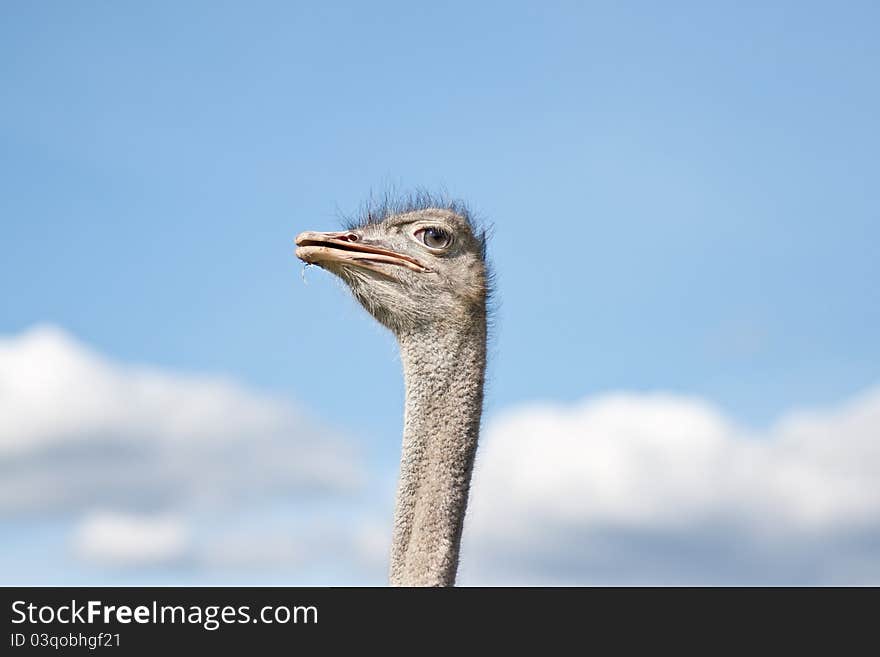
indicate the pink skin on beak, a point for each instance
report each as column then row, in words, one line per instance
column 345, row 248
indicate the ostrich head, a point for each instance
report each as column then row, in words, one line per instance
column 419, row 267
column 419, row 263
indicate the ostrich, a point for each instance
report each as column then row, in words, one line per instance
column 419, row 267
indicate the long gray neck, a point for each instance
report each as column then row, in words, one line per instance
column 443, row 371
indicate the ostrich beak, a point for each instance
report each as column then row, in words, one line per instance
column 346, row 248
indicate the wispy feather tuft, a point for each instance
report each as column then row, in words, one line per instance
column 377, row 209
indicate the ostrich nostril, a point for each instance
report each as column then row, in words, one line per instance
column 351, row 237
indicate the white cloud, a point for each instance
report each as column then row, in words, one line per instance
column 665, row 489
column 160, row 470
column 80, row 432
column 126, row 540
column 295, row 545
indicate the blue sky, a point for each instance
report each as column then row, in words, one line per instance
column 684, row 195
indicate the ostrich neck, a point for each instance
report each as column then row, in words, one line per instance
column 443, row 373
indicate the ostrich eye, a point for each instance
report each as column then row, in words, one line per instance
column 435, row 238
